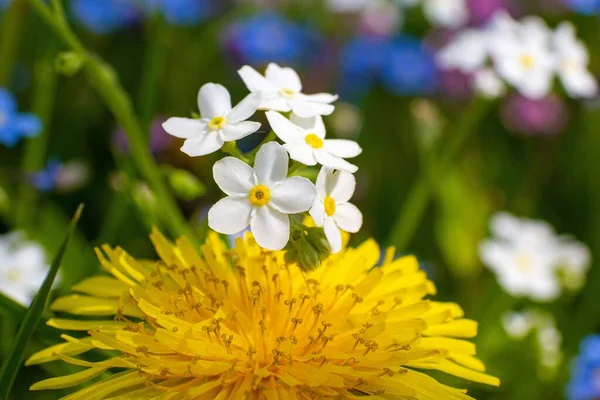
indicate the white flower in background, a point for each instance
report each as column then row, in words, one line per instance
column 467, row 52
column 219, row 122
column 527, row 256
column 332, row 209
column 524, row 58
column 347, row 6
column 573, row 260
column 447, row 13
column 23, row 268
column 518, row 324
column 305, row 142
column 573, row 60
column 260, row 197
column 488, row 84
column 281, row 90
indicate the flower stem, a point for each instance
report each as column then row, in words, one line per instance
column 103, row 79
column 414, row 207
column 12, row 26
column 45, row 82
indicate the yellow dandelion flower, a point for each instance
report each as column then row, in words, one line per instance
column 242, row 324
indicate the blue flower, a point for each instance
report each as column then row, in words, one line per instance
column 409, row 67
column 181, row 12
column 46, row 179
column 15, row 125
column 361, row 62
column 4, row 4
column 105, row 16
column 585, row 373
column 585, row 6
column 269, row 37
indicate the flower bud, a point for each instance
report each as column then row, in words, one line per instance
column 185, row 185
column 307, row 248
column 68, row 63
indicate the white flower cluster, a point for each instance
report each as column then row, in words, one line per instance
column 524, row 54
column 519, row 324
column 447, row 13
column 262, row 196
column 23, row 267
column 530, row 260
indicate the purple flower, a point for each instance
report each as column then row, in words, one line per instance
column 159, row 139
column 547, row 116
column 482, row 10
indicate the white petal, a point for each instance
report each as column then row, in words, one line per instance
column 536, row 86
column 341, row 186
column 275, row 102
column 230, row 215
column 301, row 152
column 214, row 101
column 333, row 235
column 234, row 176
column 324, row 182
column 254, row 81
column 544, row 289
column 324, row 98
column 580, row 83
column 239, row 130
column 283, row 78
column 200, row 146
column 334, row 162
column 342, row 148
column 313, row 124
column 245, row 109
column 271, row 165
column 184, row 127
column 294, row 195
column 308, row 109
column 348, row 217
column 284, row 128
column 270, row 228
column 317, row 212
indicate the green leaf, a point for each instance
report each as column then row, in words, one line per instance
column 10, row 307
column 15, row 358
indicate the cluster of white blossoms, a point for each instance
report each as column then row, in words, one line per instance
column 520, row 324
column 531, row 260
column 524, row 54
column 264, row 195
column 23, row 267
column 446, row 13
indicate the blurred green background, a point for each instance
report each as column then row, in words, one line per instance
column 407, row 133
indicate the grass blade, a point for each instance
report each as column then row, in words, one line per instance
column 15, row 358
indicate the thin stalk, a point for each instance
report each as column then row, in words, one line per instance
column 10, row 37
column 103, row 79
column 416, row 203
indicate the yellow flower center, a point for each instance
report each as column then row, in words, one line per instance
column 286, row 92
column 524, row 262
column 527, row 61
column 15, row 276
column 329, row 206
column 217, row 123
column 313, row 141
column 260, row 195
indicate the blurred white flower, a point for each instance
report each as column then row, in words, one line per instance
column 331, row 208
column 574, row 260
column 517, row 324
column 526, row 256
column 23, row 267
column 260, row 197
column 488, row 84
column 219, row 122
column 573, row 60
column 305, row 142
column 467, row 52
column 447, row 13
column 281, row 90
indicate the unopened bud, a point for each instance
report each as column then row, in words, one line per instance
column 68, row 63
column 185, row 185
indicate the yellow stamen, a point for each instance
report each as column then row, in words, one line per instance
column 524, row 262
column 217, row 123
column 286, row 92
column 528, row 61
column 313, row 141
column 329, row 206
column 260, row 195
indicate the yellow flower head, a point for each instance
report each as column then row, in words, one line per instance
column 242, row 324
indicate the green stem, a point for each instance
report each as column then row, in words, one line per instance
column 414, row 207
column 10, row 35
column 45, row 79
column 103, row 79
